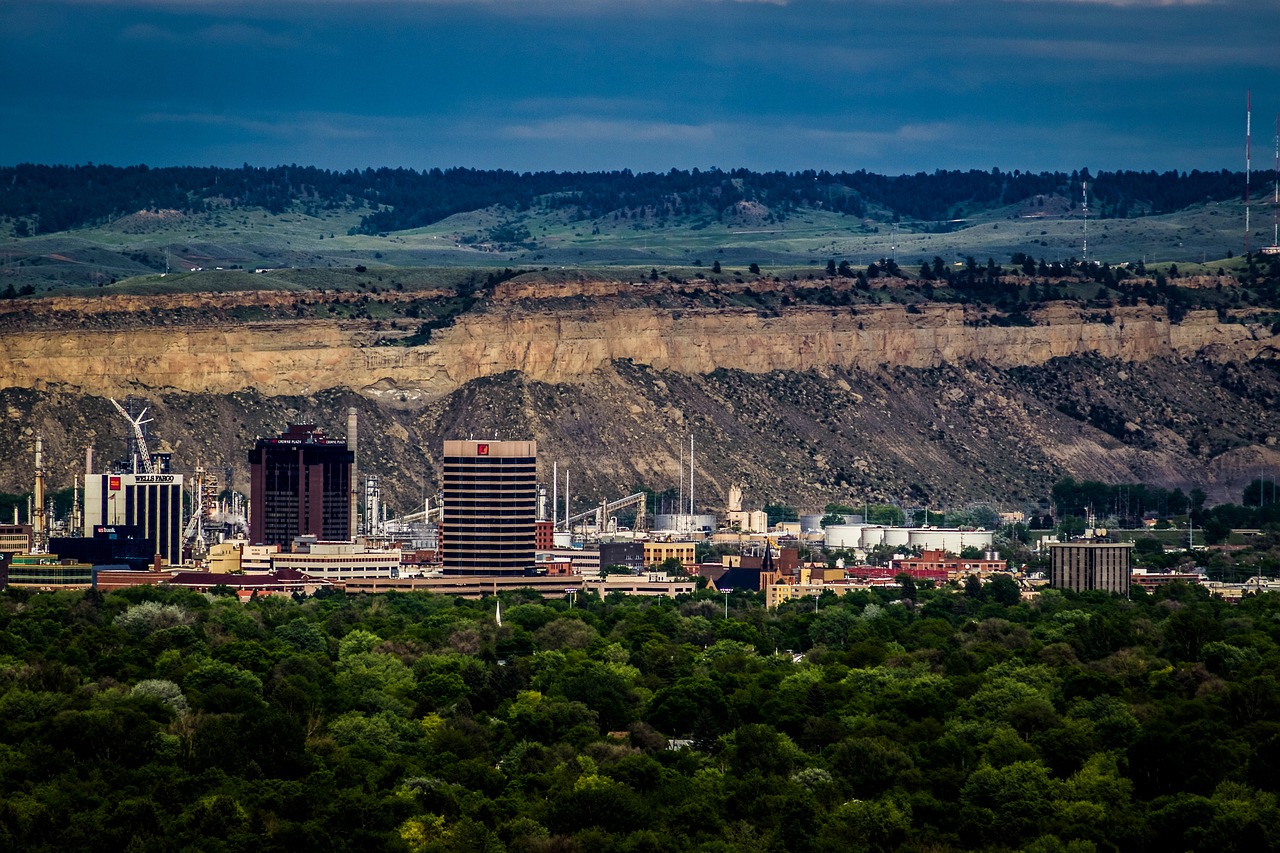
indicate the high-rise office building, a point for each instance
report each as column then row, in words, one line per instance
column 300, row 485
column 1087, row 565
column 150, row 502
column 490, row 507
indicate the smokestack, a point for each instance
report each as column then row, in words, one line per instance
column 37, row 515
column 88, row 460
column 351, row 445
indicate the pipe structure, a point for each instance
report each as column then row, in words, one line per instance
column 355, row 489
column 38, row 520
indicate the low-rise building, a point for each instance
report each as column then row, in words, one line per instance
column 15, row 538
column 648, row 584
column 656, row 553
column 47, row 572
column 336, row 561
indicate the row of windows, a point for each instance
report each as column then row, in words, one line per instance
column 489, row 461
column 460, row 548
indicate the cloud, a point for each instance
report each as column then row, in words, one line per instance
column 581, row 129
column 1148, row 3
column 310, row 126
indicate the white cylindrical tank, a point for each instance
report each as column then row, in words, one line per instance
column 872, row 537
column 843, row 536
column 684, row 522
column 943, row 539
column 811, row 521
column 896, row 537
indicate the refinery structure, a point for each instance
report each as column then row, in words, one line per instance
column 312, row 521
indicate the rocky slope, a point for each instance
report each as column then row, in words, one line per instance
column 807, row 403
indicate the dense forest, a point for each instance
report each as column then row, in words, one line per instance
column 929, row 719
column 43, row 199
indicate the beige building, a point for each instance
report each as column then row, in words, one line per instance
column 648, row 584
column 656, row 553
column 335, row 561
column 15, row 538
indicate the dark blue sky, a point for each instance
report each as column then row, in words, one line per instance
column 885, row 85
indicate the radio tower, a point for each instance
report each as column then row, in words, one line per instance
column 1248, row 141
column 1084, row 193
column 1275, row 201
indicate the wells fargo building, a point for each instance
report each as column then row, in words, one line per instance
column 490, row 502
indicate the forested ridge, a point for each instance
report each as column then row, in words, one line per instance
column 49, row 198
column 958, row 718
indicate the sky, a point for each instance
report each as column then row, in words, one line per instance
column 890, row 86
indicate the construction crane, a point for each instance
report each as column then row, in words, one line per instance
column 193, row 536
column 602, row 512
column 140, row 451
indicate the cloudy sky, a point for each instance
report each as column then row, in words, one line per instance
column 889, row 86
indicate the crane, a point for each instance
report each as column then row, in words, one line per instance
column 140, row 451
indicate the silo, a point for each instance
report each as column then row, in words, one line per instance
column 843, row 536
column 896, row 537
column 811, row 521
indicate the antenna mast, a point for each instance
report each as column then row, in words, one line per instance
column 1084, row 193
column 1248, row 144
column 1275, row 202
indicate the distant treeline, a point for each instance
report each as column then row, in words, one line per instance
column 57, row 198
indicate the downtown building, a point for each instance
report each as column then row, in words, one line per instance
column 299, row 485
column 490, row 507
column 1087, row 565
column 150, row 504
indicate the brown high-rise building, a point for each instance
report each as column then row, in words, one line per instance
column 490, row 507
column 1082, row 566
column 300, row 485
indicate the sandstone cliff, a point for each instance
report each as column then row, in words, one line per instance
column 936, row 403
column 566, row 344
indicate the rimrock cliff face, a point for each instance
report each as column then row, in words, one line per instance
column 934, row 403
column 567, row 344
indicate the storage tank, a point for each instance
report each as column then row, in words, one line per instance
column 811, row 521
column 684, row 522
column 872, row 537
column 949, row 539
column 843, row 536
column 896, row 537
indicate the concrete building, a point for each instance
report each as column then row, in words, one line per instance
column 642, row 585
column 1084, row 565
column 47, row 572
column 490, row 507
column 334, row 561
column 15, row 538
column 935, row 565
column 655, row 553
column 628, row 554
column 300, row 484
column 110, row 545
column 151, row 502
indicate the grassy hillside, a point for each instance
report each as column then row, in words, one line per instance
column 147, row 244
